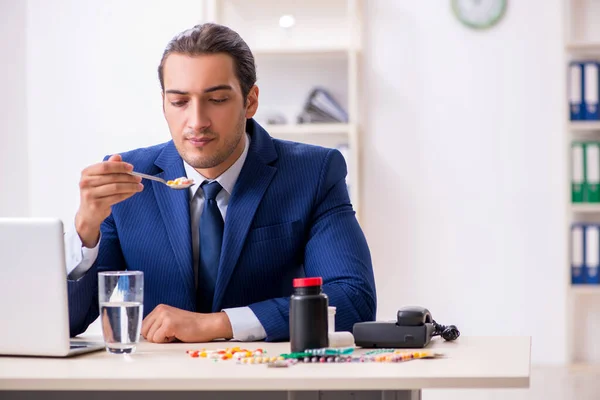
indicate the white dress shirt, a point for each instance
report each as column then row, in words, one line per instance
column 244, row 323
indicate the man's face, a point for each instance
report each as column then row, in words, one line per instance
column 205, row 110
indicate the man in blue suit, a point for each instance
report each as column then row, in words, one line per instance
column 219, row 258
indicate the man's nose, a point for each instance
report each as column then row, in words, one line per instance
column 197, row 120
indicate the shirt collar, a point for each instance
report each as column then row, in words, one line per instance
column 227, row 179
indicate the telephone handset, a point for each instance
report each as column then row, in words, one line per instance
column 414, row 327
column 413, row 316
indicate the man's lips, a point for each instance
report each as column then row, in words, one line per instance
column 200, row 142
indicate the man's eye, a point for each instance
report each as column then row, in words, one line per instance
column 218, row 100
column 180, row 103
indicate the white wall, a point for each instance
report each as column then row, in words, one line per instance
column 464, row 168
column 464, row 165
column 14, row 192
column 93, row 87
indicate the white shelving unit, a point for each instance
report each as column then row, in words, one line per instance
column 581, row 42
column 583, row 208
column 585, row 290
column 322, row 49
column 584, row 126
column 584, row 48
column 308, row 129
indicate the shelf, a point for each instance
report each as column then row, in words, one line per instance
column 586, row 207
column 584, row 367
column 320, row 45
column 301, row 51
column 308, row 129
column 585, row 126
column 584, row 48
column 585, row 289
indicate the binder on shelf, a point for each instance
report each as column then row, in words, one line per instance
column 592, row 254
column 591, row 91
column 577, row 172
column 577, row 253
column 577, row 112
column 321, row 107
column 591, row 188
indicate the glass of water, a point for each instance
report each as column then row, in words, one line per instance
column 121, row 298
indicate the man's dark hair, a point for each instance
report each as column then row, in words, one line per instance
column 211, row 38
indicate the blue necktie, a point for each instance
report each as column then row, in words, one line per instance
column 211, row 238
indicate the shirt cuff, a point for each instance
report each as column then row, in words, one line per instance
column 245, row 325
column 79, row 259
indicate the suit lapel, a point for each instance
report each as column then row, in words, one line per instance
column 175, row 211
column 252, row 183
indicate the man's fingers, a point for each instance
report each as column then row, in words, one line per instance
column 153, row 329
column 147, row 324
column 113, row 189
column 163, row 335
column 108, row 167
column 112, row 200
column 115, row 157
column 102, row 180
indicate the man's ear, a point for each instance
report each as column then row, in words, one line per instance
column 162, row 97
column 252, row 102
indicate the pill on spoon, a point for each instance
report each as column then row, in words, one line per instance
column 180, row 183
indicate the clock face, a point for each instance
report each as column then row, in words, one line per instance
column 479, row 14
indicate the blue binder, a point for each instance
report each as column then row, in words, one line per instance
column 592, row 254
column 591, row 91
column 577, row 253
column 576, row 106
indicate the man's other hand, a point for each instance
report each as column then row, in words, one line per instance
column 166, row 324
column 101, row 186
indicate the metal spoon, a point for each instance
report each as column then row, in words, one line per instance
column 154, row 178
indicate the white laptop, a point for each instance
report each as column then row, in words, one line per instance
column 33, row 290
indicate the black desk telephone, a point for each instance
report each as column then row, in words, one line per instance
column 413, row 328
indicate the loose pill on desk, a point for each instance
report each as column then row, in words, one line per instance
column 282, row 363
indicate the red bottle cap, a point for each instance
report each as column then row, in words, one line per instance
column 305, row 282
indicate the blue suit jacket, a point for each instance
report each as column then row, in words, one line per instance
column 289, row 216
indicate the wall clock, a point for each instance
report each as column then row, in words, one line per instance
column 479, row 14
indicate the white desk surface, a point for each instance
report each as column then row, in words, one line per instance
column 470, row 362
